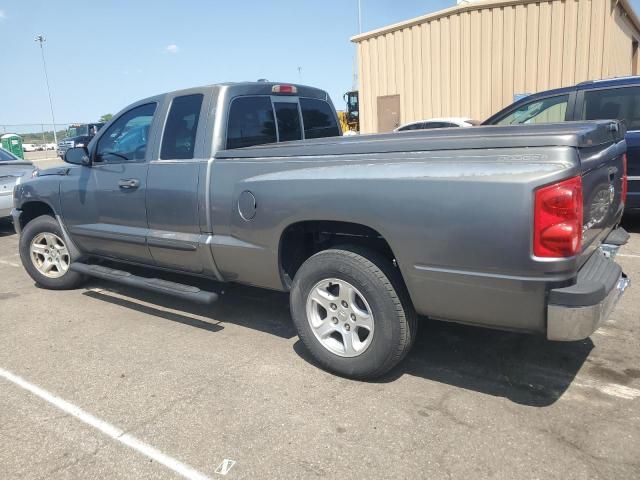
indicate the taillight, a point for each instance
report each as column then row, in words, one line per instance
column 557, row 219
column 623, row 196
column 284, row 89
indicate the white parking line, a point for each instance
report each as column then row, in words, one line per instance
column 111, row 431
column 628, row 255
column 11, row 264
column 611, row 389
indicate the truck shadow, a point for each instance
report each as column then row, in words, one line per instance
column 526, row 369
column 261, row 310
column 631, row 222
column 6, row 228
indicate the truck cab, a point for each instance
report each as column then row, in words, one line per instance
column 617, row 98
column 78, row 135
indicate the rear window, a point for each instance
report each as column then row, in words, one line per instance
column 251, row 122
column 319, row 120
column 613, row 103
column 179, row 138
column 288, row 121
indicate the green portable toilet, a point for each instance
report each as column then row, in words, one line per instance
column 12, row 143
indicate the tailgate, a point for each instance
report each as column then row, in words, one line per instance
column 602, row 168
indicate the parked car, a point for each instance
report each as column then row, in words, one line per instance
column 445, row 122
column 29, row 147
column 51, row 146
column 504, row 227
column 617, row 98
column 12, row 171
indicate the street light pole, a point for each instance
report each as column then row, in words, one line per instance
column 40, row 39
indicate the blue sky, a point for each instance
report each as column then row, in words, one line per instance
column 103, row 55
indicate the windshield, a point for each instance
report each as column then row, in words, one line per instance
column 7, row 156
column 78, row 131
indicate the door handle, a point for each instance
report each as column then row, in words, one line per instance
column 129, row 183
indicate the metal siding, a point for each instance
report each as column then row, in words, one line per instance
column 425, row 34
column 417, row 65
column 406, row 101
column 375, row 75
column 455, row 65
column 544, row 46
column 436, row 66
column 596, row 43
column 485, row 63
column 471, row 61
column 465, row 62
column 520, row 44
column 556, row 66
column 582, row 47
column 475, row 73
column 531, row 55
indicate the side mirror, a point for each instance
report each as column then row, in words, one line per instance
column 77, row 156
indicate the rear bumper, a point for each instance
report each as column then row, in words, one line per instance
column 575, row 312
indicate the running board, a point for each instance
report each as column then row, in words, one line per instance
column 186, row 292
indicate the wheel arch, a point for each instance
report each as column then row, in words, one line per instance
column 302, row 239
column 34, row 209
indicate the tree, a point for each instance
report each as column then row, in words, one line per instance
column 106, row 117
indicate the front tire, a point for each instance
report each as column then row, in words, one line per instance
column 352, row 312
column 46, row 256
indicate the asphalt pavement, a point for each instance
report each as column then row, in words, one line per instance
column 112, row 382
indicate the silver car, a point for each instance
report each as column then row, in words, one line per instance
column 12, row 171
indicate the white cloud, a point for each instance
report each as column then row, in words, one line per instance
column 172, row 48
column 2, row 15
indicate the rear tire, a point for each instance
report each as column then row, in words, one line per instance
column 352, row 312
column 46, row 256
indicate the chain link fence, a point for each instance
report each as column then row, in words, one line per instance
column 40, row 134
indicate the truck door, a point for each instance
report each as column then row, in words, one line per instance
column 104, row 205
column 175, row 197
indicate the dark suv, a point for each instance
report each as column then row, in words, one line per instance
column 617, row 98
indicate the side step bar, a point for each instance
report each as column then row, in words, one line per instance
column 186, row 292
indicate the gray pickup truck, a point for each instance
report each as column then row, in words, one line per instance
column 509, row 227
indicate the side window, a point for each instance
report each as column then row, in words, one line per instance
column 545, row 110
column 430, row 125
column 288, row 121
column 179, row 138
column 613, row 103
column 318, row 118
column 126, row 140
column 251, row 122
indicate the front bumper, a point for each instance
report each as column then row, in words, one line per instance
column 575, row 312
column 15, row 214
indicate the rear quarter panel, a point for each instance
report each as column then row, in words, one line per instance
column 458, row 222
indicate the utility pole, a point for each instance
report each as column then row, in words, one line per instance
column 359, row 16
column 40, row 39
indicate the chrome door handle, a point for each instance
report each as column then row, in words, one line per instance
column 129, row 183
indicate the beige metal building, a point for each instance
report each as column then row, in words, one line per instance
column 471, row 59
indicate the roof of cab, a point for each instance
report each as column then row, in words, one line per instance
column 244, row 88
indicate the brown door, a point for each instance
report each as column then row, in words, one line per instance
column 388, row 113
